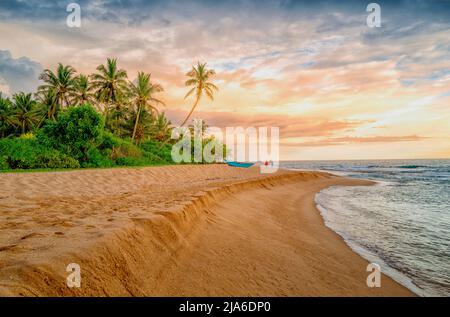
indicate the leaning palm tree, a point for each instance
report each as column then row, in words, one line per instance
column 142, row 97
column 62, row 83
column 109, row 83
column 199, row 78
column 83, row 91
column 24, row 115
column 144, row 126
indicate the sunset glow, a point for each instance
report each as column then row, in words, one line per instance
column 336, row 88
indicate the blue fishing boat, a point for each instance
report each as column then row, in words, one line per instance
column 240, row 164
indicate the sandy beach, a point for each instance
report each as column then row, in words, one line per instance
column 208, row 230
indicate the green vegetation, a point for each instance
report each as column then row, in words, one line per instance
column 81, row 121
column 28, row 153
column 199, row 78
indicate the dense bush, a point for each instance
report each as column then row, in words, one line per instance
column 108, row 141
column 76, row 138
column 95, row 158
column 55, row 159
column 125, row 149
column 76, row 132
column 154, row 147
column 3, row 162
column 27, row 153
column 118, row 147
column 146, row 160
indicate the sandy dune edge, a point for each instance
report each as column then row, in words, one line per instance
column 190, row 230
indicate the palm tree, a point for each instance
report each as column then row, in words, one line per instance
column 6, row 118
column 118, row 115
column 109, row 83
column 161, row 127
column 199, row 78
column 83, row 91
column 62, row 83
column 144, row 127
column 24, row 115
column 142, row 97
column 48, row 106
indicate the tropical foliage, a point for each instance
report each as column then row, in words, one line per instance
column 142, row 98
column 97, row 120
column 200, row 79
column 61, row 83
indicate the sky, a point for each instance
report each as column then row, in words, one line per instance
column 336, row 88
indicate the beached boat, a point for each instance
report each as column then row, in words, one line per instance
column 240, row 164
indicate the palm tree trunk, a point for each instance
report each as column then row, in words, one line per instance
column 106, row 111
column 41, row 121
column 67, row 101
column 192, row 110
column 136, row 123
column 187, row 118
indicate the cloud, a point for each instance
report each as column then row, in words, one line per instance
column 353, row 140
column 312, row 68
column 290, row 126
column 338, row 21
column 32, row 9
column 18, row 74
column 4, row 87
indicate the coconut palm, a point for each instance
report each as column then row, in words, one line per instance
column 161, row 129
column 200, row 78
column 62, row 83
column 144, row 126
column 83, row 91
column 23, row 112
column 109, row 83
column 6, row 116
column 117, row 116
column 142, row 97
column 48, row 106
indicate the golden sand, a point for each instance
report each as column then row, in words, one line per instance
column 175, row 231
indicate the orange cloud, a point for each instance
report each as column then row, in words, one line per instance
column 290, row 126
column 350, row 140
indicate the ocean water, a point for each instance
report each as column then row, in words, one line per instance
column 401, row 223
